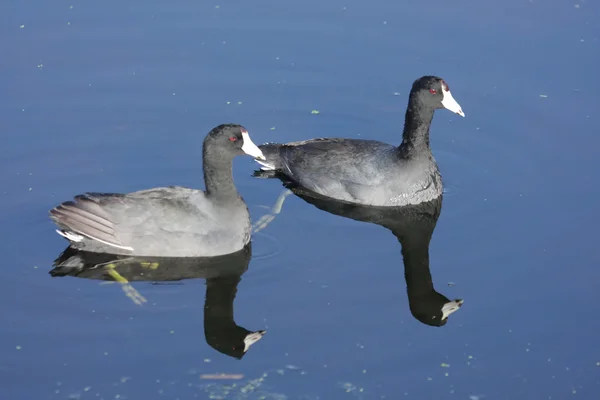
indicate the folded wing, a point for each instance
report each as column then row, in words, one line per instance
column 85, row 217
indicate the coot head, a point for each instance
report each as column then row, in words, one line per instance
column 434, row 92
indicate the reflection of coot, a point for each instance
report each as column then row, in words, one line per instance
column 220, row 330
column 222, row 274
column 413, row 226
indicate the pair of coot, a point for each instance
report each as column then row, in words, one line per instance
column 181, row 222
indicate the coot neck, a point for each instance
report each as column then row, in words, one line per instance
column 415, row 137
column 415, row 254
column 218, row 174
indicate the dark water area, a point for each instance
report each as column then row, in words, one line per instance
column 118, row 96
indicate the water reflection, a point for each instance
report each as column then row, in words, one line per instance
column 413, row 226
column 222, row 274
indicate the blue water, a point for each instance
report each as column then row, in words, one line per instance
column 118, row 96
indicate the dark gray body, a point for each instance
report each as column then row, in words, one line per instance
column 367, row 172
column 169, row 222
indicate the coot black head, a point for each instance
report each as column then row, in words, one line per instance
column 434, row 92
column 234, row 139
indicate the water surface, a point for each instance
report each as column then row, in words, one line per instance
column 113, row 96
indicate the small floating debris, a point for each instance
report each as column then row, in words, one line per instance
column 444, row 365
column 221, row 376
column 315, row 112
column 348, row 387
column 543, row 96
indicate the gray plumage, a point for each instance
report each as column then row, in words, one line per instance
column 369, row 172
column 169, row 221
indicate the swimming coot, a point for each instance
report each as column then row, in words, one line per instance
column 169, row 221
column 370, row 172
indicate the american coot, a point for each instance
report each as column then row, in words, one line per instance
column 369, row 172
column 222, row 274
column 169, row 221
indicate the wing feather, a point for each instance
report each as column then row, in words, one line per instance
column 86, row 217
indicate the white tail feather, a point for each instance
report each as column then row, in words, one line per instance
column 73, row 237
column 267, row 166
column 76, row 237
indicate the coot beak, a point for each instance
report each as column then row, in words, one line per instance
column 449, row 103
column 451, row 307
column 250, row 148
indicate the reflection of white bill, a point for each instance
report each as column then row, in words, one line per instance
column 252, row 338
column 451, row 307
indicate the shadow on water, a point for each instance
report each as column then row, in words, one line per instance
column 412, row 225
column 222, row 275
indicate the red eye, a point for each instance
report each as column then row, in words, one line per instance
column 232, row 139
column 432, row 91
